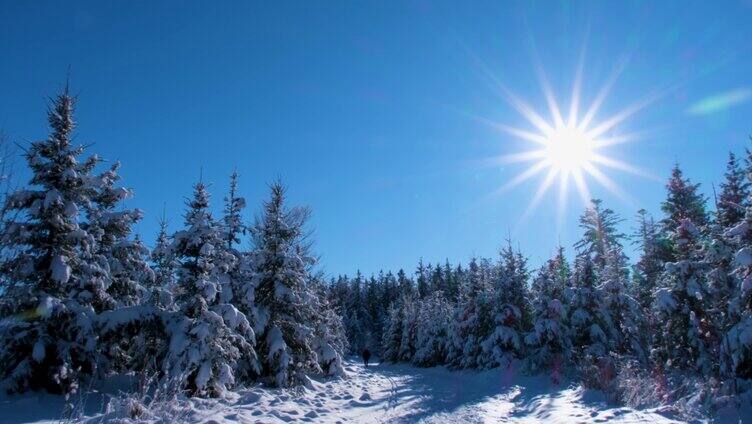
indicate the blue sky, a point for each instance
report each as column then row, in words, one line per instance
column 367, row 110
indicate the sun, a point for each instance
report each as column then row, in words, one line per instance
column 570, row 149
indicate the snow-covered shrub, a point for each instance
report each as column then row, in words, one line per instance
column 636, row 386
column 154, row 400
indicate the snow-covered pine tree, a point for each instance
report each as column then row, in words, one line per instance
column 452, row 283
column 211, row 342
column 164, row 266
column 389, row 293
column 330, row 341
column 588, row 321
column 473, row 321
column 51, row 288
column 628, row 326
column 398, row 334
column 510, row 311
column 681, row 306
column 234, row 205
column 391, row 339
column 683, row 201
column 126, row 255
column 281, row 265
column 434, row 315
column 721, row 285
column 549, row 339
column 239, row 286
column 719, row 250
column 372, row 316
column 422, row 279
column 648, row 269
column 734, row 192
column 353, row 313
column 617, row 311
column 410, row 314
column 599, row 233
column 404, row 283
column 737, row 341
column 681, row 299
column 438, row 280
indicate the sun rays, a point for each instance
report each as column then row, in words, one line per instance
column 567, row 146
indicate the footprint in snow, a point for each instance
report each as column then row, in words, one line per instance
column 312, row 414
column 365, row 396
column 356, row 404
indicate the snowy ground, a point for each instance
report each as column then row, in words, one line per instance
column 380, row 394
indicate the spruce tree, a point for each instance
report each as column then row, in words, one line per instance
column 616, row 310
column 737, row 340
column 164, row 266
column 282, row 261
column 648, row 269
column 354, row 314
column 734, row 192
column 432, row 327
column 422, row 279
column 549, row 339
column 473, row 320
column 509, row 309
column 234, row 205
column 55, row 280
column 330, row 340
column 681, row 306
column 404, row 283
column 588, row 322
column 683, row 201
column 681, row 301
column 600, row 233
column 391, row 339
column 452, row 283
column 129, row 270
column 211, row 341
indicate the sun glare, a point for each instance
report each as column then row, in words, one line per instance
column 569, row 149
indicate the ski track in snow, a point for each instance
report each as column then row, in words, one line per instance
column 385, row 393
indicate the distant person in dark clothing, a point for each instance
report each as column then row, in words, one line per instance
column 366, row 356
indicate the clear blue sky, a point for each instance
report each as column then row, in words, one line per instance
column 362, row 108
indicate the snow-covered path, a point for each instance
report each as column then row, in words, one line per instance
column 383, row 393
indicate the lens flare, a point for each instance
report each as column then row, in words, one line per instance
column 568, row 147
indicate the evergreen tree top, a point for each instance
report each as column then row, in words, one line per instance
column 60, row 118
column 600, row 233
column 683, row 201
column 734, row 192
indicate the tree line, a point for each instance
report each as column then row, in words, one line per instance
column 82, row 297
column 683, row 308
